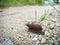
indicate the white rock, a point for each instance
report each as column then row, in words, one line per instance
column 40, row 37
column 55, row 32
column 39, row 44
column 47, row 33
column 51, row 26
column 52, row 34
column 50, row 31
column 51, row 41
column 7, row 42
column 53, row 38
column 47, row 38
column 43, row 40
column 34, row 39
column 20, row 36
column 54, row 19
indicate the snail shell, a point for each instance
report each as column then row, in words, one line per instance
column 35, row 26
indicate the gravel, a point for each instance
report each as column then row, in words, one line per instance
column 14, row 31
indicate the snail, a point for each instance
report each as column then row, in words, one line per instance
column 35, row 26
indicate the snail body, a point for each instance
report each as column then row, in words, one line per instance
column 35, row 26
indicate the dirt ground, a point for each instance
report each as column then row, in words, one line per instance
column 13, row 19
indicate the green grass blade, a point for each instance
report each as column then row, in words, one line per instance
column 43, row 16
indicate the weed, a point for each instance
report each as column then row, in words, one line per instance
column 43, row 16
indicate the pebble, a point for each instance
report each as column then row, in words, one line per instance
column 27, row 44
column 7, row 42
column 39, row 44
column 43, row 40
column 54, row 32
column 20, row 36
column 34, row 39
column 53, row 38
column 55, row 41
column 51, row 41
column 40, row 37
column 47, row 38
column 51, row 26
column 46, row 44
column 54, row 20
column 47, row 33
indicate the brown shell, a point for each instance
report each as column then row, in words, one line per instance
column 35, row 26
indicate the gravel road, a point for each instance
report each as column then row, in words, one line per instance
column 12, row 25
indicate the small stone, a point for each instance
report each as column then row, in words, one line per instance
column 55, row 41
column 40, row 37
column 34, row 42
column 46, row 44
column 47, row 38
column 51, row 26
column 27, row 44
column 53, row 38
column 22, row 39
column 51, row 41
column 39, row 44
column 34, row 39
column 20, row 36
column 7, row 42
column 47, row 33
column 25, row 41
column 54, row 32
column 54, row 20
column 43, row 40
column 30, row 35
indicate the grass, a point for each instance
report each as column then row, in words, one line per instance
column 43, row 16
column 4, row 3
